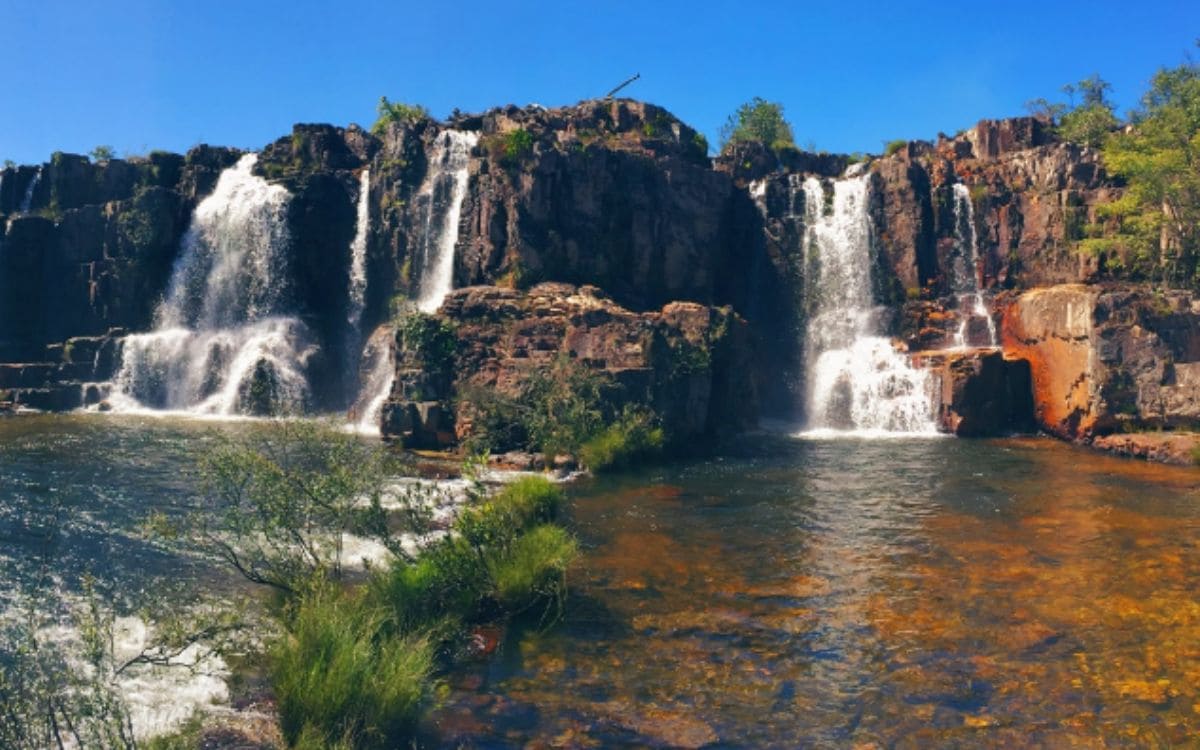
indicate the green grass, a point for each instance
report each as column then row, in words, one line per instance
column 632, row 438
column 341, row 675
column 533, row 568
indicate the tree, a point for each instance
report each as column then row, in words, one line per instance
column 280, row 503
column 1089, row 122
column 399, row 112
column 102, row 153
column 758, row 120
column 1092, row 121
column 1158, row 155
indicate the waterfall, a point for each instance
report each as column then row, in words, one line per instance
column 442, row 195
column 358, row 253
column 964, row 278
column 224, row 342
column 27, row 199
column 857, row 380
column 378, row 374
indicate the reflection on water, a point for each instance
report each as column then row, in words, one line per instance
column 891, row 594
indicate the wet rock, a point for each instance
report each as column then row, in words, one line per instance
column 1180, row 448
column 659, row 726
column 690, row 362
column 1112, row 359
column 980, row 392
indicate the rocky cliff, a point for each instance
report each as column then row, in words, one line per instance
column 1109, row 359
column 620, row 196
column 686, row 361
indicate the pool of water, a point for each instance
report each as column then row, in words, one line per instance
column 925, row 593
column 805, row 593
column 75, row 491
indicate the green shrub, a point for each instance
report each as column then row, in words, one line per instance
column 758, row 120
column 450, row 580
column 534, row 568
column 340, row 677
column 497, row 522
column 102, row 153
column 510, row 148
column 437, row 592
column 632, row 438
column 894, row 146
column 564, row 402
column 398, row 112
column 433, row 339
column 530, row 500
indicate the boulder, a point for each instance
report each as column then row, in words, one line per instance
column 1108, row 359
column 980, row 392
column 689, row 362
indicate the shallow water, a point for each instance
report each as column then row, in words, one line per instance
column 924, row 593
column 813, row 593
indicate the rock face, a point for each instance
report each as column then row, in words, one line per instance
column 980, row 392
column 697, row 258
column 1108, row 359
column 686, row 360
column 616, row 194
column 95, row 248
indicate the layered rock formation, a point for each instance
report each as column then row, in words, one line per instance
column 1108, row 359
column 620, row 196
column 686, row 361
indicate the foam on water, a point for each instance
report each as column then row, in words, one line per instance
column 442, row 195
column 857, row 381
column 226, row 341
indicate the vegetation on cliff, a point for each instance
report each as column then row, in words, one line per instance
column 396, row 112
column 758, row 120
column 566, row 408
column 1152, row 231
column 1158, row 155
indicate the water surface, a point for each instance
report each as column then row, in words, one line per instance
column 920, row 593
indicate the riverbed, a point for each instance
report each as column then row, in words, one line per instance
column 796, row 593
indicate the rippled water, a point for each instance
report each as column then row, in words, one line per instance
column 940, row 593
column 899, row 593
column 74, row 491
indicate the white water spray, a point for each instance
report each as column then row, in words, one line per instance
column 27, row 199
column 964, row 281
column 224, row 342
column 858, row 383
column 378, row 374
column 358, row 253
column 443, row 193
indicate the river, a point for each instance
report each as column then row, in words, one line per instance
column 799, row 592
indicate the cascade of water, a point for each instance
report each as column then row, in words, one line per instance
column 358, row 253
column 27, row 199
column 378, row 374
column 857, row 380
column 964, row 281
column 224, row 341
column 442, row 193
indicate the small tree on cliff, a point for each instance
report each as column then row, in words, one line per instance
column 390, row 111
column 758, row 120
column 1089, row 122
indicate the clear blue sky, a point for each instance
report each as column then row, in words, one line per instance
column 145, row 74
